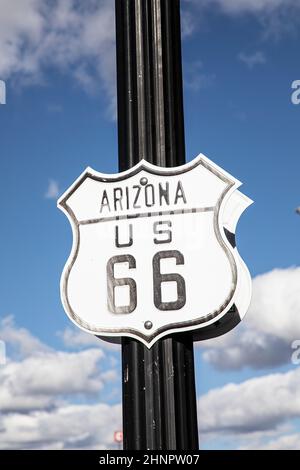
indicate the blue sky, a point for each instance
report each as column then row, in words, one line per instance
column 240, row 59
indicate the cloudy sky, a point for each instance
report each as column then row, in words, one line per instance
column 60, row 388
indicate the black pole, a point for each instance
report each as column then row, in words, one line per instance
column 159, row 399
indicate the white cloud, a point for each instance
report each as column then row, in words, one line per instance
column 76, row 338
column 246, row 6
column 37, row 392
column 188, row 23
column 265, row 336
column 52, row 190
column 285, row 442
column 22, row 342
column 275, row 306
column 38, row 381
column 38, row 411
column 251, row 60
column 195, row 78
column 246, row 347
column 260, row 404
column 251, row 6
column 21, row 23
column 68, row 427
column 275, row 16
column 77, row 38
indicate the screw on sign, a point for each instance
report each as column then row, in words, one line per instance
column 154, row 252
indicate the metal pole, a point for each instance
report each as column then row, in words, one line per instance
column 159, row 399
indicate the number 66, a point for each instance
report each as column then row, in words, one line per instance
column 158, row 279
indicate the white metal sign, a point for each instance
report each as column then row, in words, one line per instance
column 154, row 252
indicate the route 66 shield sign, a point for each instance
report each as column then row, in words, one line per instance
column 154, row 252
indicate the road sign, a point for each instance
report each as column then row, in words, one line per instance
column 118, row 436
column 154, row 252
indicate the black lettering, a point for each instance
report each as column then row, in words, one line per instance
column 117, row 239
column 147, row 197
column 180, row 193
column 118, row 199
column 164, row 194
column 104, row 202
column 137, row 195
column 157, row 231
column 127, row 198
